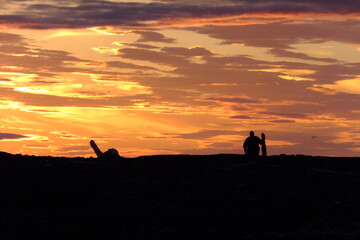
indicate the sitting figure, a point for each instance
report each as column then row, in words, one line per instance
column 110, row 154
column 252, row 144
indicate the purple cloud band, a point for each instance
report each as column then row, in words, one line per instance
column 80, row 14
column 11, row 136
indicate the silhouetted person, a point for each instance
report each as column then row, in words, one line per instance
column 252, row 145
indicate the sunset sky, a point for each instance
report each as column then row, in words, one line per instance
column 179, row 77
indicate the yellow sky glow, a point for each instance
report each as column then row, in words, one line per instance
column 185, row 84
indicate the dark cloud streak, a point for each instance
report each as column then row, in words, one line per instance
column 283, row 36
column 83, row 14
column 289, row 54
column 11, row 136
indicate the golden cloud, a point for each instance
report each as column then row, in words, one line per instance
column 351, row 86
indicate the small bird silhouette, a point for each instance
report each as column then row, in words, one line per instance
column 313, row 137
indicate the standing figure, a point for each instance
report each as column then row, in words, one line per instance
column 252, row 145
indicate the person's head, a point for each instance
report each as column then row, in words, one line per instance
column 251, row 133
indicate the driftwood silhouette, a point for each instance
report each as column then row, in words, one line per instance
column 111, row 153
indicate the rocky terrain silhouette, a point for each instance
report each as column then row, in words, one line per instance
column 176, row 196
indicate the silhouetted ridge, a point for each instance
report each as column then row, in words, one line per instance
column 178, row 196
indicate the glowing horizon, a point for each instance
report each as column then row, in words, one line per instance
column 179, row 77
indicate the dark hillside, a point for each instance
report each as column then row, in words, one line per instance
column 168, row 197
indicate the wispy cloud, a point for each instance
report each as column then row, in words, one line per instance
column 207, row 134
